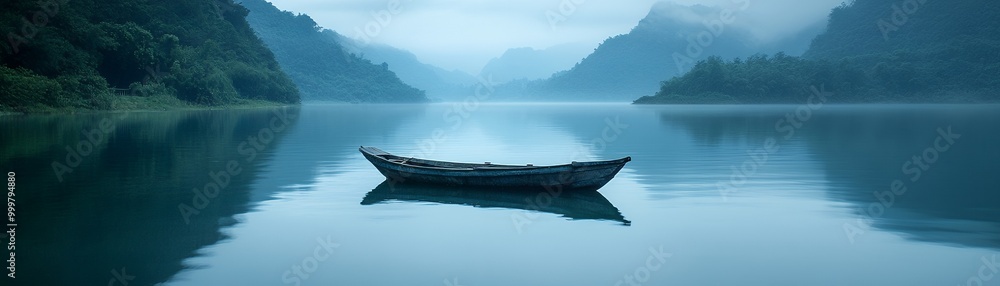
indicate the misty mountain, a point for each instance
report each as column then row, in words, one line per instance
column 872, row 51
column 319, row 65
column 531, row 64
column 795, row 44
column 440, row 84
column 667, row 42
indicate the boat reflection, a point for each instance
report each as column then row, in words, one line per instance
column 577, row 204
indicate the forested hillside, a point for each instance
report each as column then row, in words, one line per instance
column 438, row 83
column 872, row 51
column 633, row 64
column 68, row 54
column 319, row 65
column 886, row 26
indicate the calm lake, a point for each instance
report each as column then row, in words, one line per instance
column 714, row 195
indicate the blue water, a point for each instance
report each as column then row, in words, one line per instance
column 715, row 195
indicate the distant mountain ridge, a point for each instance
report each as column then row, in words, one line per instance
column 667, row 42
column 319, row 65
column 440, row 84
column 532, row 64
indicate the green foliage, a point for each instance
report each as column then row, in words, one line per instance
column 884, row 26
column 22, row 89
column 199, row 51
column 318, row 64
column 258, row 83
column 942, row 53
column 758, row 79
column 89, row 90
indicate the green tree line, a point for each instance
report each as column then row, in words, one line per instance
column 872, row 51
column 319, row 65
column 60, row 54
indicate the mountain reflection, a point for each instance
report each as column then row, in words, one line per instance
column 587, row 204
column 863, row 149
column 128, row 209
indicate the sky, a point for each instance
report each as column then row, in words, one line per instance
column 466, row 34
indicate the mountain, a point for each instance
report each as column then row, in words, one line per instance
column 181, row 52
column 319, row 65
column 531, row 64
column 663, row 44
column 795, row 44
column 667, row 42
column 925, row 27
column 872, row 51
column 440, row 84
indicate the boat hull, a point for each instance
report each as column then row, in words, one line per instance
column 578, row 175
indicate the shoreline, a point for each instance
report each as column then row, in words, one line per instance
column 946, row 97
column 149, row 105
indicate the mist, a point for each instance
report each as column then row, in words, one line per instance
column 503, row 142
column 465, row 35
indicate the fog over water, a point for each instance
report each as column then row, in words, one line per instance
column 465, row 35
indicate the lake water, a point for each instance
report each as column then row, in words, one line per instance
column 715, row 195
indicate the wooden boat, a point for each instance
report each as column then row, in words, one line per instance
column 573, row 176
column 582, row 205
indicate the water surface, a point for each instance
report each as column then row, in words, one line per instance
column 715, row 195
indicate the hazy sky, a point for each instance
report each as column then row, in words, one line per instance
column 465, row 34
